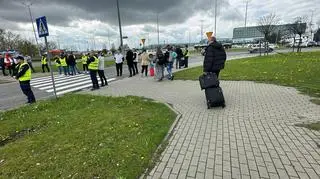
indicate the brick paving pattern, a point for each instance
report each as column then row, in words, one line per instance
column 253, row 137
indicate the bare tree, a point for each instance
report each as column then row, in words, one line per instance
column 298, row 28
column 267, row 25
column 9, row 40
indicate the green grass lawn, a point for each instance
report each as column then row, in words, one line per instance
column 300, row 70
column 82, row 136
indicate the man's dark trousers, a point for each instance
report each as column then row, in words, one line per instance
column 186, row 62
column 26, row 89
column 3, row 70
column 93, row 75
column 131, row 69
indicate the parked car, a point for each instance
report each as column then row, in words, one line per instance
column 311, row 44
column 255, row 48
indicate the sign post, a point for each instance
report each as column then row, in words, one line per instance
column 209, row 35
column 43, row 31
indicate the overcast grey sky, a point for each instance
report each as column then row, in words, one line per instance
column 85, row 21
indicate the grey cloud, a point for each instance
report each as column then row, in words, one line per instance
column 60, row 12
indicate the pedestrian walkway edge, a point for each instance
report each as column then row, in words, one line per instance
column 162, row 146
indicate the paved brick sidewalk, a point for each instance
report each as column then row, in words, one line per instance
column 254, row 136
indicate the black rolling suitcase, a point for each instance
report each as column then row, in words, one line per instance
column 214, row 97
column 214, row 94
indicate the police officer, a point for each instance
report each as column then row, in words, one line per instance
column 24, row 77
column 84, row 60
column 186, row 57
column 63, row 62
column 44, row 63
column 93, row 65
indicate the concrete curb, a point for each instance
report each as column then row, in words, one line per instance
column 160, row 149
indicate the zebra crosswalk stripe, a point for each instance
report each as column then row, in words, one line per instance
column 64, row 84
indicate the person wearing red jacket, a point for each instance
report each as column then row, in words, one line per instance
column 9, row 63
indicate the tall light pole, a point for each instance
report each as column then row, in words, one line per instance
column 120, row 29
column 215, row 18
column 189, row 37
column 31, row 19
column 109, row 38
column 158, row 29
column 311, row 24
column 246, row 14
column 201, row 32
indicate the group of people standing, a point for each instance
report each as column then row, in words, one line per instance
column 167, row 60
column 160, row 61
column 65, row 63
column 9, row 63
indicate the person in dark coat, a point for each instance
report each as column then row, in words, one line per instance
column 129, row 58
column 135, row 62
column 179, row 57
column 215, row 57
column 72, row 64
column 3, row 67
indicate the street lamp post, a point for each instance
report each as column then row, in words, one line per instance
column 120, row 30
column 158, row 29
column 215, row 18
column 31, row 19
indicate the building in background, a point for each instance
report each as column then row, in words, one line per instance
column 244, row 35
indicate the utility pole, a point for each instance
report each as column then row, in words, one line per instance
column 189, row 38
column 215, row 18
column 158, row 29
column 246, row 14
column 120, row 29
column 31, row 19
column 311, row 24
column 109, row 38
column 201, row 33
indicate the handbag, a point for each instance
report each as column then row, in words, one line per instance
column 209, row 80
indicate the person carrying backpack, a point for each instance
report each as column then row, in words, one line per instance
column 160, row 63
column 171, row 60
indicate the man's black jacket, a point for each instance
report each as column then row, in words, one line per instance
column 215, row 57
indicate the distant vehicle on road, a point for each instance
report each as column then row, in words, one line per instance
column 255, row 48
column 311, row 44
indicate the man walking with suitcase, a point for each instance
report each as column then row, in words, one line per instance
column 215, row 57
column 214, row 61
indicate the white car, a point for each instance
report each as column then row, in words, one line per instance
column 255, row 48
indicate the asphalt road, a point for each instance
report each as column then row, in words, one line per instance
column 11, row 95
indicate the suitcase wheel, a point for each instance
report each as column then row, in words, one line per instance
column 208, row 105
column 223, row 105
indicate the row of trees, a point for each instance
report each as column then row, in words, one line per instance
column 12, row 41
column 267, row 25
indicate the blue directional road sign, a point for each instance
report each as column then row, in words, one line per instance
column 42, row 26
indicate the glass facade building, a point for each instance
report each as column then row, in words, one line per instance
column 249, row 34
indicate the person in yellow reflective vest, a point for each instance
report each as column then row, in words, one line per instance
column 84, row 60
column 93, row 66
column 44, row 63
column 63, row 62
column 186, row 57
column 24, row 77
column 58, row 64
